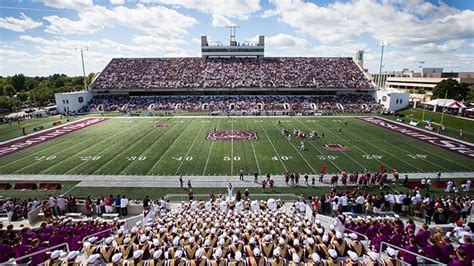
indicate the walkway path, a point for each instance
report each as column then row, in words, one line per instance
column 196, row 181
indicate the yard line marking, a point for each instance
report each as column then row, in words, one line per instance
column 279, row 157
column 407, row 151
column 301, row 155
column 311, row 143
column 91, row 146
column 232, row 148
column 384, row 151
column 56, row 142
column 62, row 151
column 144, row 125
column 151, row 130
column 189, row 149
column 169, row 148
column 170, row 129
column 253, row 149
column 357, row 147
column 210, row 150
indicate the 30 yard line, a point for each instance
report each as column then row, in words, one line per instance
column 147, row 149
column 189, row 149
column 363, row 167
column 279, row 157
column 128, row 148
column 253, row 149
column 301, row 155
column 169, row 148
column 103, row 151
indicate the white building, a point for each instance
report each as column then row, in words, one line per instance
column 393, row 100
column 72, row 101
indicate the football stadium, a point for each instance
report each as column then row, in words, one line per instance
column 235, row 157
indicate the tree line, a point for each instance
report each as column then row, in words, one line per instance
column 19, row 90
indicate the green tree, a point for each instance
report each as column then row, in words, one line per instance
column 9, row 90
column 60, row 82
column 470, row 95
column 8, row 103
column 22, row 96
column 31, row 83
column 19, row 82
column 89, row 78
column 42, row 94
column 456, row 90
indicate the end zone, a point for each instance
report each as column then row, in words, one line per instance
column 33, row 140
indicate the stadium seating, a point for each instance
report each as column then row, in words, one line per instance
column 50, row 186
column 350, row 103
column 174, row 73
column 25, row 186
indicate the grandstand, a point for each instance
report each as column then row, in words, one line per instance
column 363, row 215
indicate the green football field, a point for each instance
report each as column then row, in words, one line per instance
column 134, row 146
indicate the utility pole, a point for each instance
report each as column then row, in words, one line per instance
column 83, row 66
column 381, row 44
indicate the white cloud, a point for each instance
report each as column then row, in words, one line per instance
column 157, row 20
column 69, row 4
column 408, row 24
column 61, row 55
column 21, row 24
column 221, row 21
column 240, row 9
column 283, row 41
column 117, row 2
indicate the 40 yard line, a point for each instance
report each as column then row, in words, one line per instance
column 210, row 150
column 253, row 149
column 189, row 149
column 279, row 157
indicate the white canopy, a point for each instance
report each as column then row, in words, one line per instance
column 450, row 103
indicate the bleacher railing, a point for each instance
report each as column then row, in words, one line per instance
column 431, row 261
column 13, row 261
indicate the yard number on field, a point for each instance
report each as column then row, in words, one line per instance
column 372, row 156
column 90, row 158
column 417, row 156
column 283, row 158
column 327, row 157
column 47, row 158
column 180, row 158
column 236, row 158
column 136, row 158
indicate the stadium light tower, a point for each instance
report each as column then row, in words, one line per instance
column 381, row 44
column 83, row 66
column 233, row 40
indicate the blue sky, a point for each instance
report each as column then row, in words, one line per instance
column 42, row 37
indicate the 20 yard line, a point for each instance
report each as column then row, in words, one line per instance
column 210, row 150
column 279, row 157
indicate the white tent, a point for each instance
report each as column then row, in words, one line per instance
column 448, row 103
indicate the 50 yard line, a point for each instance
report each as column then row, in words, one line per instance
column 253, row 149
column 232, row 147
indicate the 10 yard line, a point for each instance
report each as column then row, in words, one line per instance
column 210, row 150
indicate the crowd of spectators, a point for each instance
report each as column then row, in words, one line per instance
column 15, row 243
column 17, row 209
column 175, row 73
column 344, row 103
